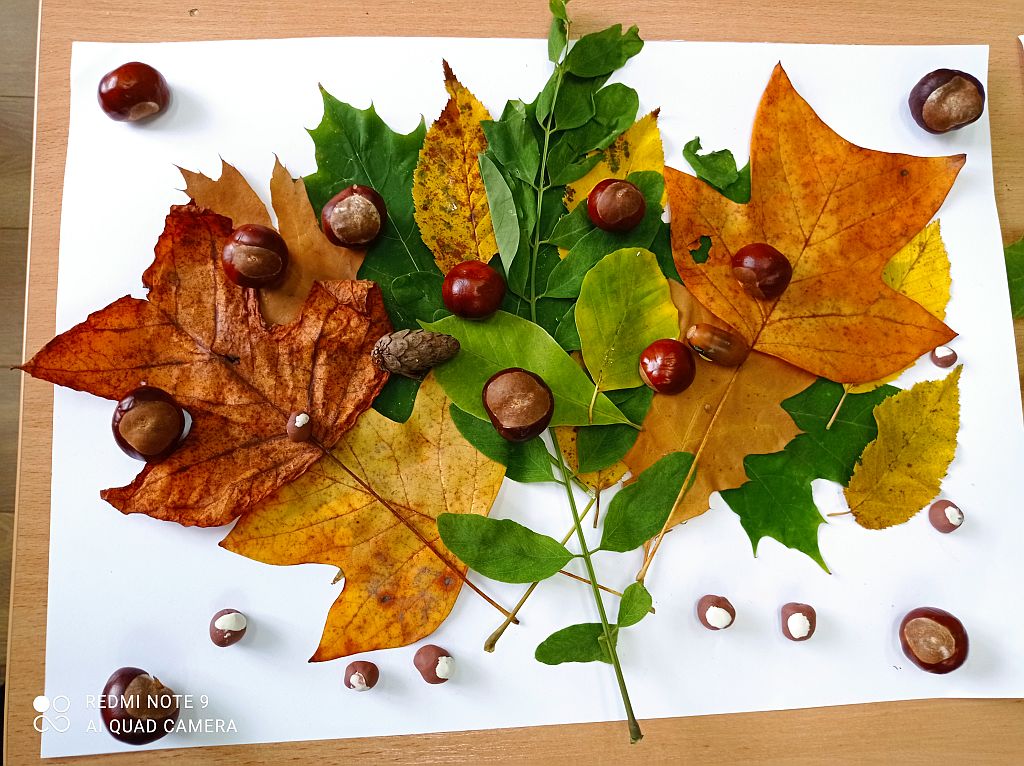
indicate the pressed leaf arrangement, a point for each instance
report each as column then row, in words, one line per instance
column 662, row 361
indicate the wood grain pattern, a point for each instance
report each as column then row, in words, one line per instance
column 914, row 732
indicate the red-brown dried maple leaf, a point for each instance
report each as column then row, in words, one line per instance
column 202, row 338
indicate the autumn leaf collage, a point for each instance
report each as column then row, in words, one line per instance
column 533, row 296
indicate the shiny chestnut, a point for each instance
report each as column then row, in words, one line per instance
column 762, row 270
column 799, row 621
column 354, row 217
column 148, row 424
column 472, row 290
column 227, row 627
column 519, row 403
column 945, row 516
column 136, row 708
column 616, row 205
column 715, row 612
column 133, row 92
column 667, row 366
column 933, row 639
column 717, row 345
column 947, row 99
column 255, row 256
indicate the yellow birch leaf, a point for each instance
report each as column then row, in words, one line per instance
column 639, row 148
column 448, row 192
column 920, row 271
column 370, row 508
column 601, row 479
column 901, row 470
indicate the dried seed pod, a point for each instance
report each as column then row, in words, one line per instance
column 413, row 352
column 717, row 345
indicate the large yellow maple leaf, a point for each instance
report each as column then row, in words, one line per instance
column 370, row 508
column 838, row 212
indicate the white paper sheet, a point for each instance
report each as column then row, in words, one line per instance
column 133, row 591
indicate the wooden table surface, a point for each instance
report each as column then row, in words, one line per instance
column 951, row 731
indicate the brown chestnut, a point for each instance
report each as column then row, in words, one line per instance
column 133, row 92
column 434, row 664
column 136, row 708
column 361, row 675
column 354, row 217
column 945, row 516
column 616, row 205
column 717, row 345
column 519, row 403
column 943, row 357
column 300, row 427
column 667, row 366
column 254, row 256
column 227, row 627
column 763, row 271
column 947, row 99
column 715, row 612
column 933, row 639
column 472, row 290
column 798, row 621
column 148, row 424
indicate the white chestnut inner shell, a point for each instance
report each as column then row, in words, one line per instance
column 930, row 641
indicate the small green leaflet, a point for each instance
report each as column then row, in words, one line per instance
column 504, row 341
column 524, row 462
column 512, row 142
column 575, row 106
column 567, row 335
column 1015, row 276
column 557, row 39
column 598, row 447
column 661, row 246
column 501, row 548
column 577, row 643
column 503, row 210
column 624, row 306
column 355, row 146
column 615, row 108
column 635, row 605
column 588, row 244
column 601, row 53
column 777, row 501
column 639, row 511
column 718, row 169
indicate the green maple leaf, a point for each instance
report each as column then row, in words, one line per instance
column 777, row 501
column 1015, row 275
column 355, row 146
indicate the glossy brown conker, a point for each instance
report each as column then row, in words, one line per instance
column 667, row 366
column 354, row 217
column 472, row 290
column 519, row 403
column 255, row 256
column 133, row 92
column 716, row 344
column 946, row 99
column 616, row 205
column 434, row 664
column 136, row 708
column 762, row 270
column 148, row 424
column 933, row 639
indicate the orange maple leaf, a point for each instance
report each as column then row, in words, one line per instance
column 202, row 338
column 838, row 212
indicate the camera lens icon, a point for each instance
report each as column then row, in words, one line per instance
column 59, row 723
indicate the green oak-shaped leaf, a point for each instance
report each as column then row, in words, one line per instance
column 504, row 341
column 355, row 146
column 577, row 643
column 639, row 511
column 624, row 306
column 777, row 501
column 524, row 462
column 501, row 549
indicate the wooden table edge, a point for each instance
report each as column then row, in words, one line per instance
column 985, row 731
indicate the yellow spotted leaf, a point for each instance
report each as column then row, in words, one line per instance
column 370, row 507
column 312, row 257
column 901, row 470
column 639, row 148
column 448, row 192
column 920, row 271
